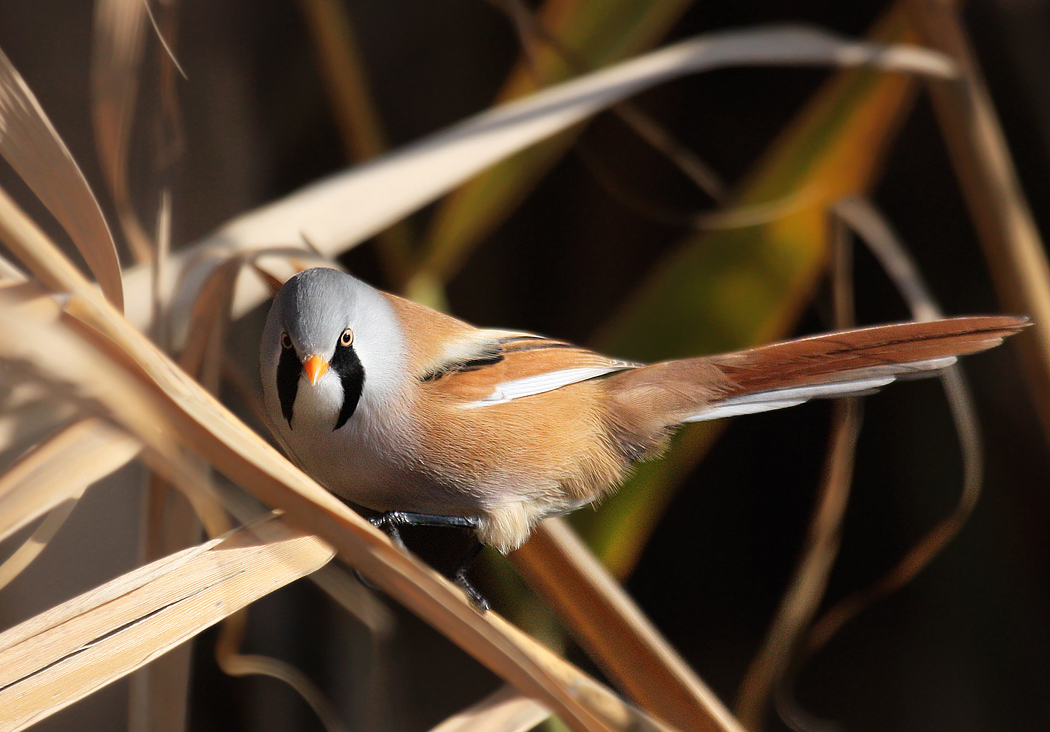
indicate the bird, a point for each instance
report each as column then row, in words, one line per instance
column 424, row 418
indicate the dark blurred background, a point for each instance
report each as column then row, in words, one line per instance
column 965, row 647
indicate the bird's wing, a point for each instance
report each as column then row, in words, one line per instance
column 479, row 368
column 499, row 366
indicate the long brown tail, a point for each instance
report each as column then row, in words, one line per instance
column 789, row 373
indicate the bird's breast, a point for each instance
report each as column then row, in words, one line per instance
column 368, row 459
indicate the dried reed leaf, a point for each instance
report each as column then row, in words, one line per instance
column 559, row 40
column 736, row 288
column 9, row 272
column 33, row 148
column 875, row 231
column 403, row 181
column 159, row 692
column 201, row 357
column 169, row 411
column 235, row 663
column 30, row 412
column 119, row 35
column 340, row 60
column 25, row 421
column 60, row 470
column 42, row 257
column 1003, row 220
column 334, row 578
column 355, row 112
column 36, row 252
column 806, row 589
column 504, row 710
column 865, row 220
column 809, row 581
column 30, row 549
column 615, row 633
column 159, row 264
column 58, row 657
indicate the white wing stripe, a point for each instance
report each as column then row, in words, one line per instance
column 540, row 383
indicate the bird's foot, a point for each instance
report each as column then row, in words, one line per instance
column 391, row 523
column 476, row 598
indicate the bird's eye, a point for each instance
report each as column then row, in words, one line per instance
column 346, row 338
column 286, row 341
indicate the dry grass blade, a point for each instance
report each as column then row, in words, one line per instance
column 1001, row 214
column 400, row 183
column 823, row 536
column 120, row 31
column 60, row 470
column 615, row 632
column 154, row 392
column 741, row 288
column 340, row 59
column 52, row 660
column 209, row 322
column 334, row 579
column 202, row 358
column 355, row 113
column 882, row 241
column 51, row 479
column 30, row 412
column 28, row 415
column 30, row 549
column 9, row 273
column 235, row 663
column 809, row 582
column 559, row 40
column 33, row 148
column 504, row 710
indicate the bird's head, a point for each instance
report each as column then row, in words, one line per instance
column 331, row 344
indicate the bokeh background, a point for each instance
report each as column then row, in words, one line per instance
column 965, row 647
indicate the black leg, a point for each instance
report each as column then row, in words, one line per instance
column 397, row 519
column 392, row 522
column 460, row 577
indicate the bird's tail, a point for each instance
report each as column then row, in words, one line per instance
column 781, row 375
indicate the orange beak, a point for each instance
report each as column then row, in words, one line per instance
column 315, row 367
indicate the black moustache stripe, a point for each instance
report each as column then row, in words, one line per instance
column 288, row 370
column 352, row 373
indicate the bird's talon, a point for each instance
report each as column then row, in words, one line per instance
column 476, row 598
column 365, row 582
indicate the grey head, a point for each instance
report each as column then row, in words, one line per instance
column 331, row 346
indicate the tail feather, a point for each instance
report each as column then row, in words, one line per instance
column 894, row 349
column 854, row 383
column 785, row 374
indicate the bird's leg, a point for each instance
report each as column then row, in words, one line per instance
column 392, row 522
column 460, row 576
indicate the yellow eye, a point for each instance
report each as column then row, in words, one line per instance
column 346, row 338
column 286, row 341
